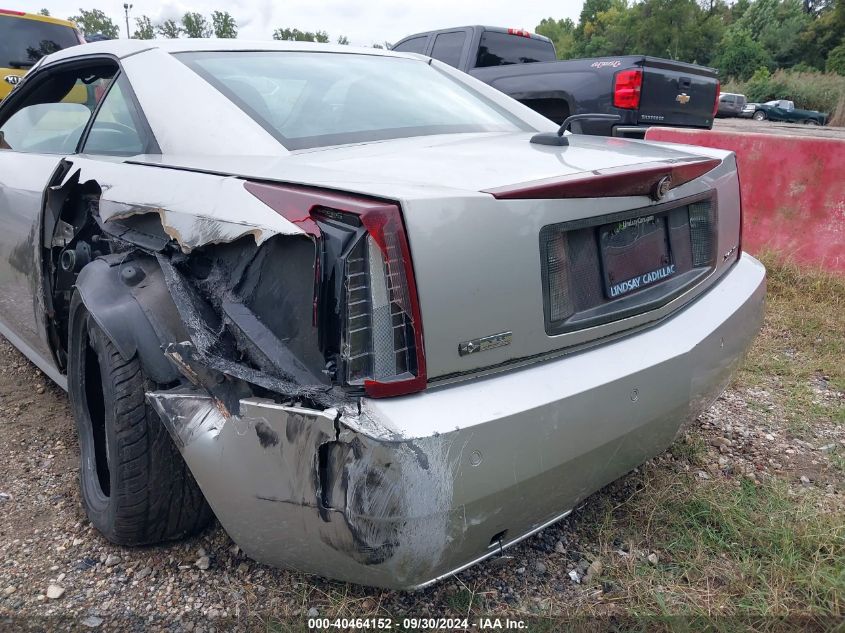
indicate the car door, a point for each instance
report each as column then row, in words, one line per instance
column 41, row 125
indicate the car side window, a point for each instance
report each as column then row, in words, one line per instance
column 52, row 114
column 413, row 45
column 117, row 128
column 448, row 48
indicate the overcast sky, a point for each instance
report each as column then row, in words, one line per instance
column 363, row 22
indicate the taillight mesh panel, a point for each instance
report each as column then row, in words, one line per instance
column 379, row 336
column 576, row 274
column 557, row 277
column 702, row 232
column 384, row 361
column 357, row 347
column 585, row 269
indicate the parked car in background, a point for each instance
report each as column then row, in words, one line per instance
column 730, row 104
column 25, row 38
column 385, row 322
column 783, row 110
column 642, row 91
column 748, row 110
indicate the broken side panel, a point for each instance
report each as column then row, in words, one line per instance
column 298, row 488
column 195, row 209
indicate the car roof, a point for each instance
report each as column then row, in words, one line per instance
column 125, row 48
column 37, row 17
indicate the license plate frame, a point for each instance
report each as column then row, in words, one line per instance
column 635, row 254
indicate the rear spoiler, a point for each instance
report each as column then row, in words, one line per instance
column 652, row 179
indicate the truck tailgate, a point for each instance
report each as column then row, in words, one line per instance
column 674, row 93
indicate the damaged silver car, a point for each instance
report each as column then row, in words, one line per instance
column 378, row 318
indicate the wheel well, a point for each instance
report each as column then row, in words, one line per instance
column 553, row 108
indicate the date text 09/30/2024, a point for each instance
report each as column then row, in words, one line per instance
column 410, row 623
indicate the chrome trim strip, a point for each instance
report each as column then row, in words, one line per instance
column 492, row 554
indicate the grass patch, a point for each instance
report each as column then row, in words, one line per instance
column 802, row 344
column 726, row 548
column 691, row 448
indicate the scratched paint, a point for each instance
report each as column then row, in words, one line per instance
column 391, row 503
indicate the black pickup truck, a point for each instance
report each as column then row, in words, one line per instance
column 642, row 90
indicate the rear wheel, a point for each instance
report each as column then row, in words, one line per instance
column 135, row 486
column 759, row 116
column 810, row 122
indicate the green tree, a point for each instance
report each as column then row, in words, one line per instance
column 224, row 25
column 44, row 12
column 195, row 25
column 740, row 54
column 561, row 33
column 342, row 39
column 836, row 60
column 95, row 21
column 169, row 29
column 144, row 29
column 777, row 25
column 678, row 29
column 609, row 32
column 824, row 33
column 295, row 35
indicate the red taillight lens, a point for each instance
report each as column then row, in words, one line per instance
column 716, row 102
column 381, row 345
column 627, row 85
column 10, row 12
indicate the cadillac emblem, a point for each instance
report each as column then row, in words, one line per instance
column 661, row 188
column 683, row 98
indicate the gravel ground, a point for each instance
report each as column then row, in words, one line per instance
column 56, row 571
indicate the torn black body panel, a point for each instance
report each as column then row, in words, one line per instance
column 231, row 309
column 117, row 302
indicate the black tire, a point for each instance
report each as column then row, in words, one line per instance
column 135, row 486
column 811, row 122
column 759, row 116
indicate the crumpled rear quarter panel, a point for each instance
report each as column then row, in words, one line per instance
column 409, row 489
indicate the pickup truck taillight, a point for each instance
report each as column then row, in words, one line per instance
column 380, row 339
column 627, row 85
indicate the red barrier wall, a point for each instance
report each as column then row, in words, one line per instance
column 792, row 188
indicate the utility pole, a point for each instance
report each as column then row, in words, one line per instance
column 126, row 7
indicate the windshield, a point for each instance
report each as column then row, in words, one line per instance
column 313, row 99
column 23, row 42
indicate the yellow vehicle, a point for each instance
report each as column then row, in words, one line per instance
column 25, row 38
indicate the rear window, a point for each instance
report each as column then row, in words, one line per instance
column 413, row 45
column 502, row 49
column 319, row 99
column 23, row 42
column 448, row 47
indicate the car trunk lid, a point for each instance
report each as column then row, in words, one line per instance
column 495, row 223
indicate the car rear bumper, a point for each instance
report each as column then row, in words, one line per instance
column 407, row 490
